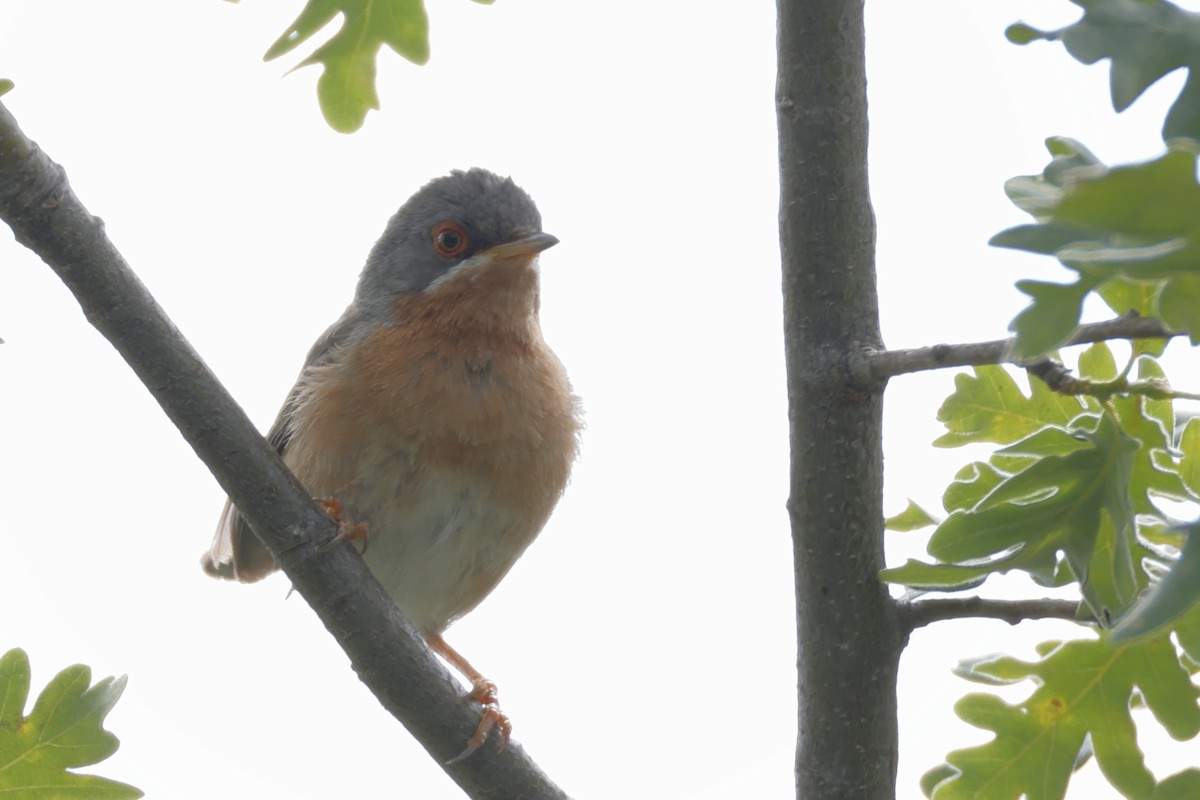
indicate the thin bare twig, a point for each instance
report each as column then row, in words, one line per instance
column 924, row 612
column 383, row 647
column 883, row 364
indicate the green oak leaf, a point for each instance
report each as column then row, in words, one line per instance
column 1178, row 307
column 931, row 779
column 1054, row 505
column 1145, row 39
column 1189, row 462
column 912, row 518
column 1151, row 204
column 1071, row 499
column 1187, row 631
column 1175, row 596
column 971, row 484
column 64, row 731
column 1052, row 497
column 1137, row 225
column 346, row 88
column 1180, row 786
column 989, row 407
column 1097, row 363
column 938, row 577
column 1138, row 298
column 1130, row 297
column 1110, row 580
column 1039, row 195
column 1049, row 441
column 1084, row 691
column 1152, row 422
column 1050, row 319
column 6, row 86
column 1045, row 239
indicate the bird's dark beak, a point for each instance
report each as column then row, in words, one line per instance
column 529, row 246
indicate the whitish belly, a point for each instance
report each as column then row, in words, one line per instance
column 441, row 544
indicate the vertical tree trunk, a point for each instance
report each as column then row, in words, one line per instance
column 849, row 639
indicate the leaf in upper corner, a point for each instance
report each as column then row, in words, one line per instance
column 990, row 407
column 63, row 732
column 1084, row 690
column 1133, row 224
column 1176, row 595
column 1145, row 39
column 346, row 88
column 912, row 518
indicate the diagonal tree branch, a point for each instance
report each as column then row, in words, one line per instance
column 383, row 647
column 925, row 612
column 884, row 364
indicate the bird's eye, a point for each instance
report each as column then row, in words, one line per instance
column 450, row 239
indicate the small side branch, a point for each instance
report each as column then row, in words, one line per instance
column 884, row 364
column 924, row 612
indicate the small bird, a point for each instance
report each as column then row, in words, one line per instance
column 432, row 420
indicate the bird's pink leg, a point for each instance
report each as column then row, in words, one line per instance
column 483, row 691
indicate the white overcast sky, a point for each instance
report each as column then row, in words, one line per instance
column 644, row 646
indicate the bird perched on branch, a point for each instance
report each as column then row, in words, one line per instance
column 432, row 420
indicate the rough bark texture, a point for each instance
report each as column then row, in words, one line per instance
column 848, row 631
column 384, row 649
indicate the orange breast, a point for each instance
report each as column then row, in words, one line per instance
column 460, row 401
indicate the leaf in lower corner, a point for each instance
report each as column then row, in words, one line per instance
column 1180, row 786
column 1084, row 689
column 64, row 731
column 935, row 777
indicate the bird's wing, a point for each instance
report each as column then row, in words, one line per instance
column 235, row 552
